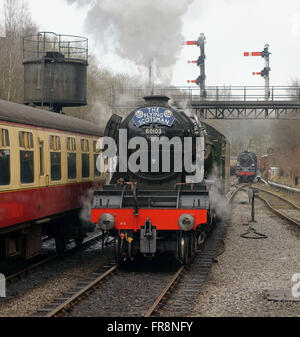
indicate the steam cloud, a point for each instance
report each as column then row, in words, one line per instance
column 86, row 206
column 216, row 199
column 141, row 31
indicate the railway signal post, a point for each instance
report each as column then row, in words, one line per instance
column 265, row 73
column 252, row 193
column 200, row 63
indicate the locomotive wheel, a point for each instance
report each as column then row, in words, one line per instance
column 192, row 247
column 200, row 240
column 118, row 255
column 184, row 250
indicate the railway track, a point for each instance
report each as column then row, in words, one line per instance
column 235, row 192
column 18, row 274
column 197, row 271
column 180, row 294
column 177, row 295
column 155, row 302
column 275, row 209
column 279, row 213
column 65, row 302
column 173, row 294
column 293, row 205
column 102, row 282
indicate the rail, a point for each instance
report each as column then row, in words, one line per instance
column 79, row 295
column 283, row 187
column 280, row 214
column 165, row 291
column 20, row 273
column 276, row 211
column 279, row 197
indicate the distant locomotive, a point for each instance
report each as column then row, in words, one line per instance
column 246, row 168
column 154, row 212
column 47, row 163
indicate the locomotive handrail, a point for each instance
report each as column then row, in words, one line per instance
column 122, row 195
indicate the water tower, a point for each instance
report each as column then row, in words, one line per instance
column 55, row 70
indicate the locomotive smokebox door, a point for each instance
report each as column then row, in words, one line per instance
column 148, row 238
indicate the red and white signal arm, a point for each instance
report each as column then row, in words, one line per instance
column 254, row 53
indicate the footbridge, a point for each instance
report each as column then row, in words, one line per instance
column 219, row 102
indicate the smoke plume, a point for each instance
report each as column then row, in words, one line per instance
column 217, row 199
column 86, row 206
column 140, row 31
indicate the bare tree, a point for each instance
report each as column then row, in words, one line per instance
column 286, row 143
column 18, row 23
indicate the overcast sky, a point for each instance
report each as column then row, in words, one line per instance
column 230, row 26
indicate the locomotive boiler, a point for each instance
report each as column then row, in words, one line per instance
column 152, row 211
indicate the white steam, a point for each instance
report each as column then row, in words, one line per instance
column 139, row 30
column 217, row 199
column 86, row 205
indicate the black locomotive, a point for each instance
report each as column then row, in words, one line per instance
column 159, row 210
column 246, row 168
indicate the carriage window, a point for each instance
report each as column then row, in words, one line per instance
column 71, row 157
column 30, row 142
column 26, row 140
column 4, row 167
column 55, row 159
column 54, row 142
column 71, row 144
column 42, row 170
column 71, row 165
column 27, row 167
column 4, row 138
column 26, row 157
column 51, row 142
column 85, row 158
column 4, row 158
column 85, row 145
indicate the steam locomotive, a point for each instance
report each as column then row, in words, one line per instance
column 161, row 211
column 246, row 168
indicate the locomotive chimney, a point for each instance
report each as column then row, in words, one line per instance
column 157, row 99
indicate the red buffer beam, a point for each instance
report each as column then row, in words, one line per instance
column 192, row 61
column 256, row 73
column 190, row 43
column 192, row 81
column 254, row 53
